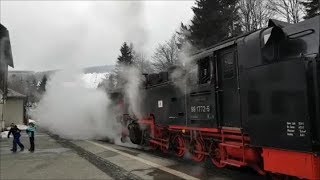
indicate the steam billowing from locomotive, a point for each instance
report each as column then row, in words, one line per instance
column 71, row 110
column 132, row 90
column 185, row 72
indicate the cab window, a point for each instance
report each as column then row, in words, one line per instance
column 204, row 70
column 228, row 65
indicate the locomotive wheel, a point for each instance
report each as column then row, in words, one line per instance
column 135, row 134
column 197, row 146
column 217, row 155
column 123, row 139
column 179, row 146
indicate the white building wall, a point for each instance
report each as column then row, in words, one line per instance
column 13, row 111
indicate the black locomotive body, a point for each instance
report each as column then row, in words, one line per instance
column 252, row 100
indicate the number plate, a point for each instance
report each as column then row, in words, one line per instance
column 201, row 109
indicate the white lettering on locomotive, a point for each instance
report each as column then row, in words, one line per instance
column 200, row 109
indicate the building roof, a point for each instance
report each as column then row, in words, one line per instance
column 5, row 42
column 14, row 94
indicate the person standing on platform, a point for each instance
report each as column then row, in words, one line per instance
column 31, row 131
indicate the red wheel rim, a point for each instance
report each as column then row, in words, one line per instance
column 196, row 148
column 216, row 157
column 179, row 146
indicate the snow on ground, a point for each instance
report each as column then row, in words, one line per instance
column 32, row 121
column 93, row 79
column 22, row 127
column 4, row 134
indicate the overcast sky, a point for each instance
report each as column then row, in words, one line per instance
column 49, row 35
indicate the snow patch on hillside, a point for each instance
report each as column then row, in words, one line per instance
column 92, row 80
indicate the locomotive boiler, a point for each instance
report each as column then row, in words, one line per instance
column 249, row 101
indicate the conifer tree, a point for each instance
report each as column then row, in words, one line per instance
column 213, row 21
column 126, row 57
column 312, row 8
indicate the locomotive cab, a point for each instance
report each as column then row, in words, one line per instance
column 221, row 85
column 201, row 106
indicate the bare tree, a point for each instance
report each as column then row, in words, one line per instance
column 253, row 14
column 290, row 10
column 140, row 61
column 166, row 55
column 25, row 84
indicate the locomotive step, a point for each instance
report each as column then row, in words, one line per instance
column 159, row 139
column 234, row 145
column 231, row 130
column 233, row 162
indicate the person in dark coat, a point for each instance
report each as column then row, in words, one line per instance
column 15, row 131
column 31, row 130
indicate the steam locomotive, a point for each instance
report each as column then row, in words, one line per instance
column 249, row 101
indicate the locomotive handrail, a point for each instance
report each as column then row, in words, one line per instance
column 160, row 84
column 301, row 33
column 200, row 93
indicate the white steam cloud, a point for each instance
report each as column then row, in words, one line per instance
column 133, row 90
column 184, row 75
column 71, row 110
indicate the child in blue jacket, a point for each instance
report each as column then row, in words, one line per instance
column 31, row 130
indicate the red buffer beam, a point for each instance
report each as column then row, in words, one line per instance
column 298, row 164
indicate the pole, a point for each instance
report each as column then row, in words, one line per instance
column 2, row 112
